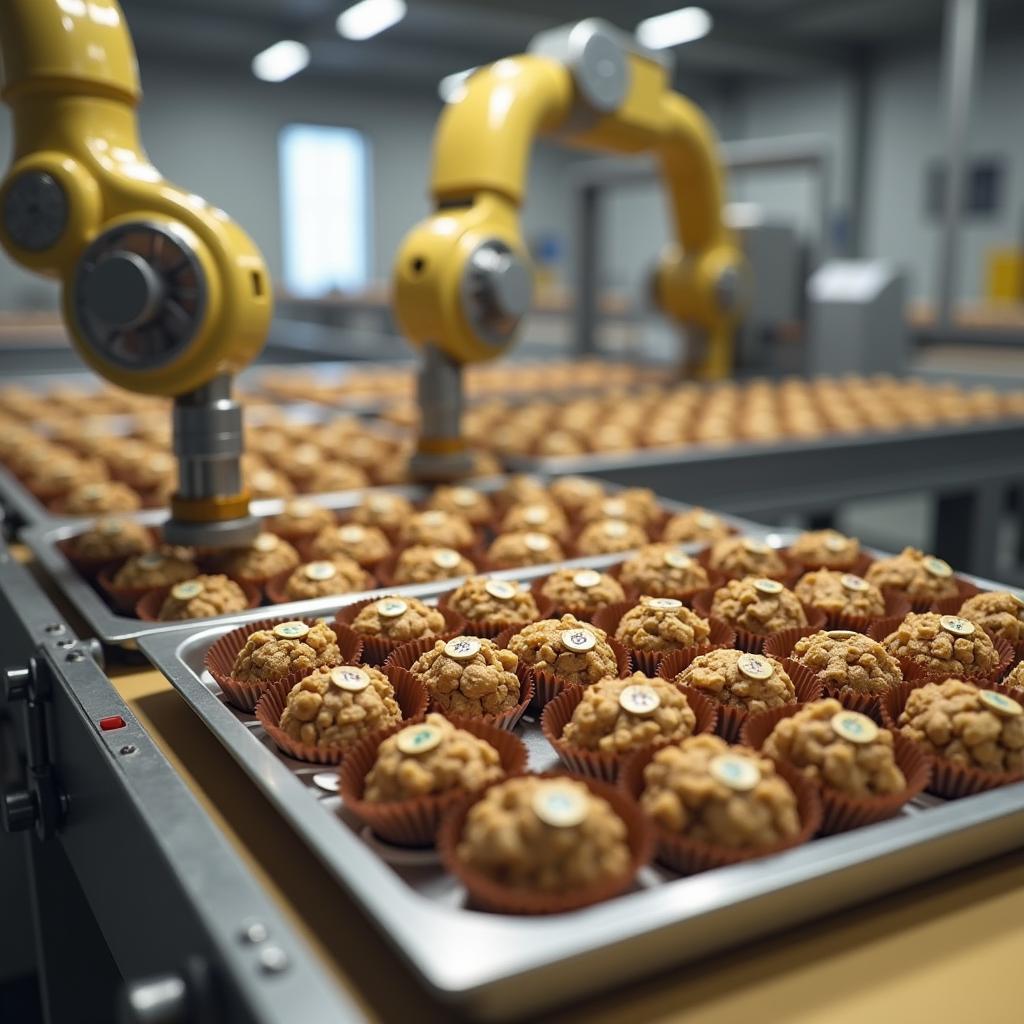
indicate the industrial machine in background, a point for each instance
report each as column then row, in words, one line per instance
column 162, row 293
column 462, row 280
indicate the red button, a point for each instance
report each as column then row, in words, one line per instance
column 111, row 723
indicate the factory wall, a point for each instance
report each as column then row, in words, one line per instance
column 216, row 134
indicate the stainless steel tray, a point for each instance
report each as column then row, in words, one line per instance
column 117, row 629
column 502, row 967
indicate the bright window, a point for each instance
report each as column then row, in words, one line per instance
column 325, row 202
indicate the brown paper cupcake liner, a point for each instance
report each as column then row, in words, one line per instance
column 949, row 779
column 858, row 566
column 841, row 811
column 547, row 685
column 377, row 650
column 243, row 694
column 600, row 764
column 385, row 569
column 121, row 599
column 787, row 576
column 490, row 628
column 965, row 589
column 90, row 568
column 414, row 822
column 410, row 695
column 897, row 605
column 507, row 720
column 486, row 894
column 581, row 612
column 921, row 674
column 609, row 617
column 148, row 606
column 633, row 593
column 755, row 642
column 276, row 593
column 690, row 856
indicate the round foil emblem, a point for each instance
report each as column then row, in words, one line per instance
column 462, row 648
column 1000, row 703
column 580, row 640
column 587, row 578
column 615, row 528
column 639, row 700
column 766, row 586
column 351, row 534
column 151, row 560
column 535, row 515
column 753, row 666
column 320, row 571
column 355, row 680
column 502, row 590
column 463, row 497
column 391, row 608
column 265, row 542
column 853, row 583
column 418, row 739
column 706, row 521
column 110, row 527
column 957, row 626
column 756, row 547
column 300, row 509
column 835, row 544
column 852, row 726
column 537, row 542
column 187, row 590
column 678, row 560
column 291, row 630
column 840, row 634
column 665, row 604
column 938, row 567
column 738, row 773
column 445, row 558
column 614, row 508
column 559, row 805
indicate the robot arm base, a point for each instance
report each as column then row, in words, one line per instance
column 228, row 533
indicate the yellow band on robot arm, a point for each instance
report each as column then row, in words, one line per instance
column 483, row 140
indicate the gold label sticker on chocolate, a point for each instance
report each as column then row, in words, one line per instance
column 639, row 699
column 391, row 608
column 1000, row 703
column 320, row 571
column 463, row 497
column 956, row 625
column 938, row 567
column 300, row 509
column 678, row 560
column 767, row 586
column 111, row 528
column 559, row 805
column 418, row 739
column 580, row 640
column 853, row 726
column 501, row 590
column 293, row 630
column 351, row 534
column 345, row 677
column 615, row 528
column 535, row 515
column 187, row 590
column 841, row 634
column 706, row 521
column 755, row 547
column 587, row 578
column 537, row 542
column 853, row 583
column 614, row 508
column 738, row 773
column 151, row 560
column 665, row 604
column 835, row 543
column 462, row 648
column 753, row 666
column 265, row 542
column 446, row 558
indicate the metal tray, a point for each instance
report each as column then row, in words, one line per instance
column 120, row 630
column 502, row 967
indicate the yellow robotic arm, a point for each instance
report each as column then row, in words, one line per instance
column 162, row 293
column 462, row 278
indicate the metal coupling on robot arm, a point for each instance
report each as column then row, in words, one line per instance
column 162, row 293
